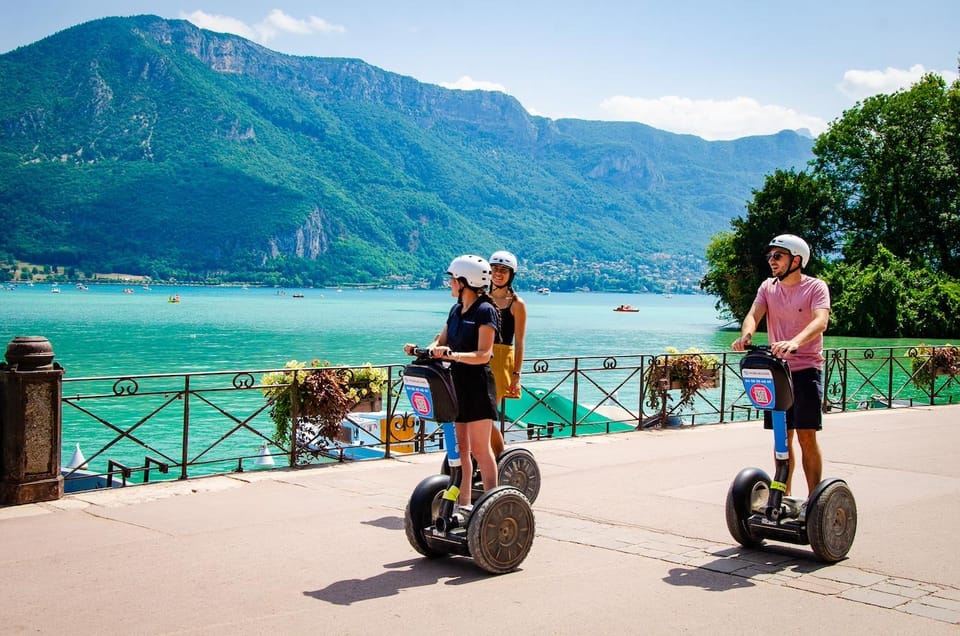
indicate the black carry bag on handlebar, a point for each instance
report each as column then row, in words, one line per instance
column 429, row 387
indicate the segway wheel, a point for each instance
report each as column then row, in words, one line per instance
column 747, row 492
column 421, row 512
column 517, row 467
column 500, row 530
column 832, row 522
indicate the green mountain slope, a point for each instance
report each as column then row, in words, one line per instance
column 151, row 146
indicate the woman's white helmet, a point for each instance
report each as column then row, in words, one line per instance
column 505, row 258
column 473, row 269
column 793, row 244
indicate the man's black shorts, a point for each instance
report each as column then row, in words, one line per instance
column 806, row 412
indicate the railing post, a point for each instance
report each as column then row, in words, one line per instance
column 30, row 421
column 294, row 417
column 722, row 377
column 576, row 396
column 185, row 444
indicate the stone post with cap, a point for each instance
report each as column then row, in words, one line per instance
column 30, row 390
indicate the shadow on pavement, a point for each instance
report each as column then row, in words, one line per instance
column 400, row 575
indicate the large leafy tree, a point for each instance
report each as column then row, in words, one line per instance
column 883, row 194
column 895, row 160
column 916, row 302
column 790, row 202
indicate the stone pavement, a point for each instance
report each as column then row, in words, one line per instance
column 630, row 536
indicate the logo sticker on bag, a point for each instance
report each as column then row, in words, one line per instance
column 418, row 392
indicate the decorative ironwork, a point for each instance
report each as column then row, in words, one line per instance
column 125, row 386
column 244, row 380
column 206, row 423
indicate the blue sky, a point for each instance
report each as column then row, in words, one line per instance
column 719, row 70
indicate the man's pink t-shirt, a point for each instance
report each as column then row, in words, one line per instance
column 789, row 310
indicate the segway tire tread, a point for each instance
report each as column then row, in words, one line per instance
column 421, row 511
column 517, row 467
column 832, row 522
column 500, row 531
column 738, row 506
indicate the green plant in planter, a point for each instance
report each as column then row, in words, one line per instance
column 689, row 371
column 929, row 361
column 325, row 395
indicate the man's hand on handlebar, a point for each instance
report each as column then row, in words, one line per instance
column 777, row 349
column 783, row 347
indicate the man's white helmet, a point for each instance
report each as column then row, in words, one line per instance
column 474, row 269
column 793, row 244
column 505, row 258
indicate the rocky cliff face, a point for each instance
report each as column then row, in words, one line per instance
column 147, row 141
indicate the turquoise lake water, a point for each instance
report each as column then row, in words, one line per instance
column 106, row 332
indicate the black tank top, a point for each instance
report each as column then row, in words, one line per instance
column 507, row 325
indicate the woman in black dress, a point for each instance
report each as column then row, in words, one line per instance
column 467, row 340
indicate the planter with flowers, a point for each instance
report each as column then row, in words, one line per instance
column 929, row 361
column 688, row 371
column 317, row 398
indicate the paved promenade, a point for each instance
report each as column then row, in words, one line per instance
column 630, row 538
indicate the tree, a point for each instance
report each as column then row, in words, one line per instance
column 885, row 190
column 789, row 203
column 890, row 297
column 895, row 161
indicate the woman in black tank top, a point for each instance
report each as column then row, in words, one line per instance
column 508, row 349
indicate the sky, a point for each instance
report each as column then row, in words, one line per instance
column 718, row 70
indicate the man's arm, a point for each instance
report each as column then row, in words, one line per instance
column 749, row 326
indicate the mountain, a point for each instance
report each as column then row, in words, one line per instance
column 151, row 146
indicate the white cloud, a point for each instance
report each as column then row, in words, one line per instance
column 467, row 83
column 220, row 24
column 708, row 118
column 276, row 23
column 858, row 84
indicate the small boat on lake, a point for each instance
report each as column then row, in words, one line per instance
column 626, row 308
column 174, row 299
column 543, row 290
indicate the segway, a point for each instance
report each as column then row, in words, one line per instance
column 515, row 467
column 497, row 532
column 757, row 507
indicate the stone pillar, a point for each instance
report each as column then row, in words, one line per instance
column 30, row 389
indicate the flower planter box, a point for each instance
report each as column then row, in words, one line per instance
column 711, row 380
column 368, row 405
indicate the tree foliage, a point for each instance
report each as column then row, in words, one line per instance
column 166, row 149
column 789, row 202
column 894, row 160
column 880, row 209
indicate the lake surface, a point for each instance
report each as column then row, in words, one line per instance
column 104, row 331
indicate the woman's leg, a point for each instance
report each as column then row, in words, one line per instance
column 466, row 463
column 479, row 434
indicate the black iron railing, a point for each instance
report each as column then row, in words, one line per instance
column 135, row 429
